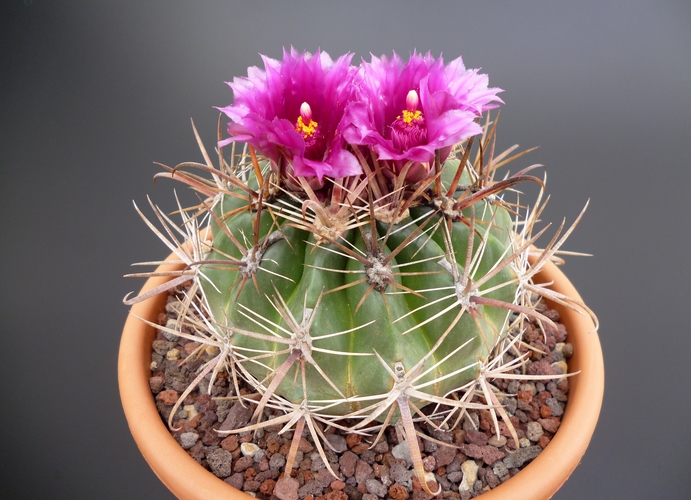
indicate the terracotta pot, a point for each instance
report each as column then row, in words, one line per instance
column 188, row 480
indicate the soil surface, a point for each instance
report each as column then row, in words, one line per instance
column 466, row 460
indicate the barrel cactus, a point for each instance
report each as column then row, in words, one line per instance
column 356, row 259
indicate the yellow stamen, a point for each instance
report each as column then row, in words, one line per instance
column 411, row 116
column 306, row 129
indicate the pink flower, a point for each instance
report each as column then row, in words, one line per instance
column 407, row 111
column 291, row 113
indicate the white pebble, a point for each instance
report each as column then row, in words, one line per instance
column 191, row 411
column 469, row 468
column 249, row 449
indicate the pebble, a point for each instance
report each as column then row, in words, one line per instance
column 469, row 468
column 550, row 424
column 338, row 442
column 347, row 462
column 534, row 431
column 156, row 384
column 188, row 439
column 488, row 454
column 500, row 469
column 277, row 461
column 521, row 456
column 375, row 487
column 400, row 474
column 162, row 346
column 398, row 492
column 243, row 463
column 286, row 488
column 553, row 404
column 444, row 455
column 191, row 411
column 402, row 452
column 312, row 487
column 560, row 367
column 249, row 449
column 173, row 354
column 236, row 480
column 238, row 416
column 168, row 397
column 363, row 471
column 220, row 461
column 305, row 446
column 497, row 441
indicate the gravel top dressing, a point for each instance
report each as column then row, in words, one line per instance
column 466, row 460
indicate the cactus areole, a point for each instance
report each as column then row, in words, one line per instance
column 364, row 259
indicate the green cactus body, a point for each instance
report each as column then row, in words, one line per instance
column 310, row 277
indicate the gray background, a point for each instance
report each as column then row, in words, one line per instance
column 93, row 93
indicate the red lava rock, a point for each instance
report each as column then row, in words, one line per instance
column 324, row 477
column 286, row 488
column 543, row 441
column 561, row 333
column 267, row 487
column 524, row 396
column 251, row 486
column 359, row 449
column 250, row 474
column 168, row 397
column 545, row 411
column 156, row 384
column 550, row 424
column 272, row 446
column 444, row 455
column 348, row 461
column 337, row 485
column 237, row 417
column 543, row 396
column 190, row 347
column 211, row 439
column 542, row 367
column 416, row 484
column 488, row 454
column 334, row 495
column 305, row 446
column 242, row 464
column 236, row 480
column 363, row 471
column 476, row 437
column 353, row 440
column 563, row 386
column 531, row 334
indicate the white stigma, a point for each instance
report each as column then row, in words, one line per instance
column 412, row 101
column 306, row 112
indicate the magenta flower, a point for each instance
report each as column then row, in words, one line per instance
column 291, row 113
column 407, row 111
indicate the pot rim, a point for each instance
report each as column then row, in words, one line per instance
column 186, row 479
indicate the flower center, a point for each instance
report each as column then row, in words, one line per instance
column 409, row 129
column 309, row 130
